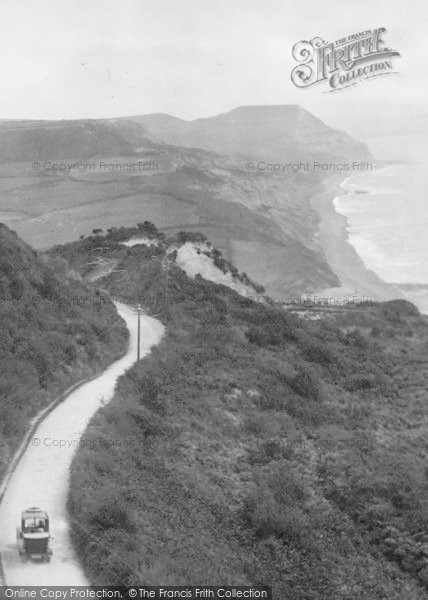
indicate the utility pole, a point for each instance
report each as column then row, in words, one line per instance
column 166, row 277
column 138, row 346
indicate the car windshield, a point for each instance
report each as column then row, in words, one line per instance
column 34, row 524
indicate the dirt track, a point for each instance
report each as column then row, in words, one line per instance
column 41, row 477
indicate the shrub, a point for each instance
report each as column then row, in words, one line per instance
column 49, row 287
column 395, row 309
column 150, row 389
column 149, row 423
column 306, row 383
column 189, row 236
column 110, row 514
column 360, row 382
column 374, row 380
column 264, row 424
column 309, row 412
column 356, row 338
column 275, row 505
column 149, row 228
column 272, row 332
column 315, row 351
column 270, row 450
column 16, row 288
column 263, row 336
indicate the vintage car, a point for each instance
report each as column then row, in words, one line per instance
column 33, row 537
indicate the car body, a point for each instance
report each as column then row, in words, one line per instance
column 33, row 537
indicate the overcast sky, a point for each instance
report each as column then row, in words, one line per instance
column 63, row 59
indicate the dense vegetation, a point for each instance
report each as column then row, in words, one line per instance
column 254, row 446
column 54, row 331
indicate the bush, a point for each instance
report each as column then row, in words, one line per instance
column 395, row 309
column 275, row 505
column 149, row 423
column 49, row 287
column 310, row 412
column 306, row 383
column 16, row 288
column 151, row 398
column 263, row 336
column 360, row 382
column 318, row 352
column 370, row 381
column 189, row 236
column 267, row 517
column 110, row 514
column 264, row 424
column 274, row 331
column 270, row 450
column 356, row 338
column 149, row 228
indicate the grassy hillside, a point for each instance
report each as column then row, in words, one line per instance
column 62, row 179
column 269, row 133
column 54, row 330
column 253, row 446
column 22, row 141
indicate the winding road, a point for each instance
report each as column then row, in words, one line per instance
column 41, row 477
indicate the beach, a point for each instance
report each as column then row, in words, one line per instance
column 333, row 238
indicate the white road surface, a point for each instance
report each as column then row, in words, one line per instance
column 41, row 477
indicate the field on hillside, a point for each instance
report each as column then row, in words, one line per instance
column 61, row 180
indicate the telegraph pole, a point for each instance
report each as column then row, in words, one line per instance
column 166, row 283
column 138, row 346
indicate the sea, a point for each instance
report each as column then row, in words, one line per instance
column 387, row 214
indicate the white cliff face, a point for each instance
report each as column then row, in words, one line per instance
column 193, row 258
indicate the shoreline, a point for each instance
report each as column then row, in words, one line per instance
column 333, row 239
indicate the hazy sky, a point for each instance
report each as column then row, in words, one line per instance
column 196, row 58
